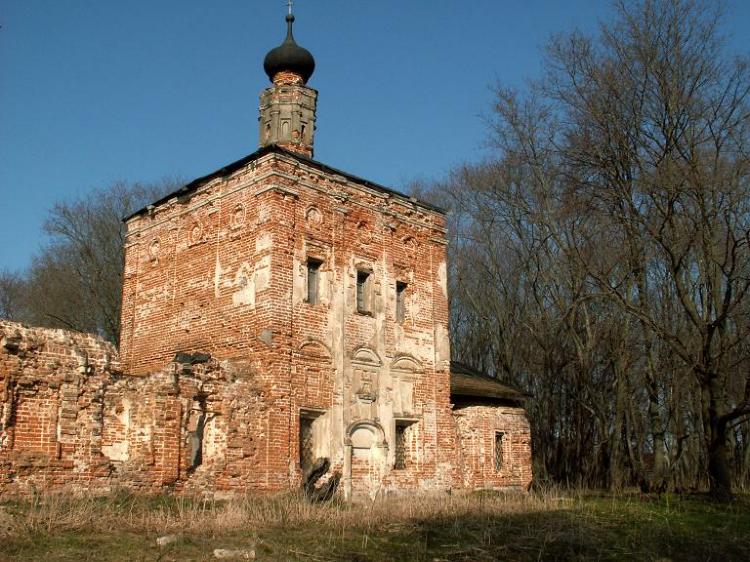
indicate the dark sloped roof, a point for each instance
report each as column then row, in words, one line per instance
column 242, row 162
column 469, row 382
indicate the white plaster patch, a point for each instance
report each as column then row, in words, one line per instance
column 321, row 430
column 214, row 440
column 442, row 344
column 299, row 287
column 263, row 273
column 264, row 214
column 412, row 306
column 244, row 285
column 362, row 439
column 263, row 242
column 217, row 277
column 442, row 275
column 118, row 450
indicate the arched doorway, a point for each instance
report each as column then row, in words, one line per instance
column 366, row 455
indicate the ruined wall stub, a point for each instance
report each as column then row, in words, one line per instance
column 51, row 406
column 71, row 419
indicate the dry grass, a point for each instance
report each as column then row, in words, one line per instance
column 484, row 526
column 51, row 513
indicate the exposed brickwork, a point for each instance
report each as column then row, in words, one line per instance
column 51, row 406
column 224, row 269
column 70, row 418
column 224, row 272
column 477, row 426
column 286, row 78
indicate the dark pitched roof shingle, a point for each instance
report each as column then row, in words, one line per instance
column 469, row 382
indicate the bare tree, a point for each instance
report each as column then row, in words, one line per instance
column 657, row 140
column 12, row 295
column 611, row 235
column 75, row 282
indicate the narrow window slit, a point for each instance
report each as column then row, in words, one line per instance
column 400, row 447
column 306, row 451
column 364, row 281
column 400, row 301
column 499, row 436
column 313, row 280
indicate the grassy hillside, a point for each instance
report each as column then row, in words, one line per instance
column 476, row 527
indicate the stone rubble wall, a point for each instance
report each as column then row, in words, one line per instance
column 51, row 406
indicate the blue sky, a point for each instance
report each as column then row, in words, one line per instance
column 95, row 91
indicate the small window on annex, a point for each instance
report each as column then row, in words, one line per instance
column 400, row 446
column 313, row 280
column 499, row 437
column 364, row 282
column 400, row 301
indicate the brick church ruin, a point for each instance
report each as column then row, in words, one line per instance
column 274, row 312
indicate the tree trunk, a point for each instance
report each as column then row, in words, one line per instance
column 720, row 479
column 657, row 477
column 619, row 435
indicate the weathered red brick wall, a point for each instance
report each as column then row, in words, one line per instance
column 206, row 274
column 349, row 228
column 70, row 418
column 150, row 429
column 51, row 406
column 476, row 427
column 194, row 270
column 223, row 271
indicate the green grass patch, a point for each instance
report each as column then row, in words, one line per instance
column 475, row 527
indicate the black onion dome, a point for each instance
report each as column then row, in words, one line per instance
column 289, row 57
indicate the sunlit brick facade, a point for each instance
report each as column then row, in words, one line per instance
column 274, row 312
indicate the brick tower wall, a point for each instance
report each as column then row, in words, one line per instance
column 225, row 272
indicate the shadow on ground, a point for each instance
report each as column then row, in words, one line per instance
column 594, row 528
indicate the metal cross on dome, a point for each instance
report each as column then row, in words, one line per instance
column 290, row 5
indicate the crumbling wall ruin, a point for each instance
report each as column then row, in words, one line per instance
column 70, row 418
column 323, row 302
column 197, row 427
column 51, row 406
